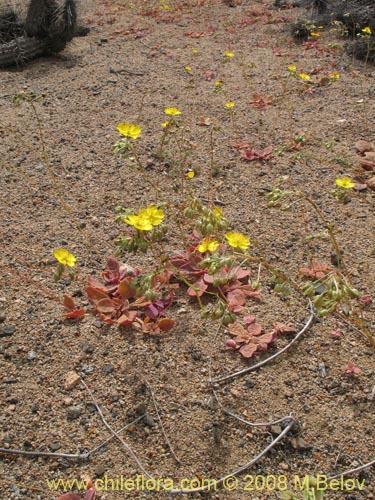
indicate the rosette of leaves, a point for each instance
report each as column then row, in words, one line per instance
column 126, row 298
column 251, row 337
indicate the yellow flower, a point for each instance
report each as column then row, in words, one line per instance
column 367, row 30
column 335, row 76
column 314, row 33
column 129, row 130
column 218, row 83
column 165, row 124
column 208, row 245
column 141, row 223
column 229, row 54
column 229, row 104
column 146, row 218
column 195, row 51
column 292, row 68
column 303, row 76
column 188, row 68
column 64, row 257
column 191, row 174
column 345, row 183
column 153, row 214
column 172, row 111
column 238, row 240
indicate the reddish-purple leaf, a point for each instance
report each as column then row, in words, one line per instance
column 237, row 329
column 249, row 319
column 264, row 339
column 152, row 312
column 248, row 350
column 241, row 273
column 69, row 303
column 95, row 294
column 254, row 329
column 232, row 344
column 77, row 313
column 166, row 324
column 128, row 318
column 125, row 289
column 106, row 306
column 68, row 496
column 197, row 289
column 236, row 298
column 90, row 494
column 257, row 154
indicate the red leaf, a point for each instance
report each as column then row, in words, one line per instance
column 197, row 289
column 236, row 298
column 248, row 350
column 125, row 289
column 257, row 154
column 266, row 338
column 90, row 494
column 96, row 294
column 69, row 303
column 166, row 324
column 240, row 273
column 237, row 329
column 254, row 329
column 249, row 319
column 106, row 306
column 127, row 319
column 232, row 344
column 77, row 313
column 113, row 265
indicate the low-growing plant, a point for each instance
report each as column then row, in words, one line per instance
column 212, row 264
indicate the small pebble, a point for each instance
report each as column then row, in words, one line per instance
column 107, row 369
column 7, row 331
column 73, row 412
column 148, row 420
column 99, row 470
column 55, row 446
column 71, row 380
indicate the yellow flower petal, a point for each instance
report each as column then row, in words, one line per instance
column 335, row 76
column 191, row 174
column 207, row 245
column 140, row 223
column 195, row 51
column 165, row 124
column 292, row 68
column 367, row 30
column 345, row 182
column 229, row 104
column 172, row 111
column 238, row 240
column 188, row 68
column 64, row 257
column 229, row 54
column 218, row 83
column 129, row 130
column 153, row 214
column 303, row 76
